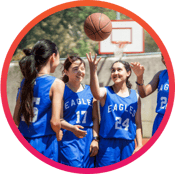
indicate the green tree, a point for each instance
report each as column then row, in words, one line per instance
column 150, row 44
column 66, row 29
column 82, row 48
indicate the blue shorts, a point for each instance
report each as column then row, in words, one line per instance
column 113, row 150
column 157, row 122
column 47, row 145
column 75, row 151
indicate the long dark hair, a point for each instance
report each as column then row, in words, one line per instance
column 128, row 68
column 30, row 65
column 68, row 62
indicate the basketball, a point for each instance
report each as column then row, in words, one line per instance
column 97, row 26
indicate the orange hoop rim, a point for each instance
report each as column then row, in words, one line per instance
column 119, row 42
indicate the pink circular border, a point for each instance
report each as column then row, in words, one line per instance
column 45, row 14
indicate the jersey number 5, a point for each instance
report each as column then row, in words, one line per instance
column 35, row 110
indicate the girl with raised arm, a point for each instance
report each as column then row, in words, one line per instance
column 79, row 118
column 38, row 107
column 160, row 81
column 120, row 109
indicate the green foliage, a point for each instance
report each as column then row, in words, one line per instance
column 66, row 29
column 82, row 48
column 150, row 45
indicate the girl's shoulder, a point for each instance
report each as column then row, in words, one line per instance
column 86, row 89
column 163, row 74
column 58, row 86
column 58, row 83
column 85, row 86
column 159, row 73
column 45, row 77
column 68, row 91
column 108, row 88
column 134, row 92
column 45, row 81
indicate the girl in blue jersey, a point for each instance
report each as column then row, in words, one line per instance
column 161, row 82
column 38, row 107
column 80, row 120
column 120, row 109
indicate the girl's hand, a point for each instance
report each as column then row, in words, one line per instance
column 78, row 132
column 137, row 149
column 137, row 68
column 59, row 135
column 94, row 148
column 93, row 63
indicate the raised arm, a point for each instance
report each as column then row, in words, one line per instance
column 151, row 86
column 138, row 122
column 97, row 92
column 57, row 91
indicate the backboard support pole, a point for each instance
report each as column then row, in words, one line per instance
column 118, row 16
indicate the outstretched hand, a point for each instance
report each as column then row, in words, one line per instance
column 78, row 132
column 93, row 63
column 137, row 68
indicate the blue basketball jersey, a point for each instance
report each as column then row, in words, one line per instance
column 118, row 115
column 77, row 108
column 163, row 92
column 42, row 107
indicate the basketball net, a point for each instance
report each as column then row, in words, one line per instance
column 120, row 47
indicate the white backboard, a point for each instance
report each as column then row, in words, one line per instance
column 124, row 30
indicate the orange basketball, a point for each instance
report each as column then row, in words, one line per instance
column 97, row 26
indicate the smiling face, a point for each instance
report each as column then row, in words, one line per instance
column 76, row 71
column 119, row 73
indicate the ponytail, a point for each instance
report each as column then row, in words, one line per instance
column 28, row 69
column 30, row 65
column 65, row 78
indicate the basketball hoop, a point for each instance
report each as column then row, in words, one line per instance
column 120, row 47
column 123, row 31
